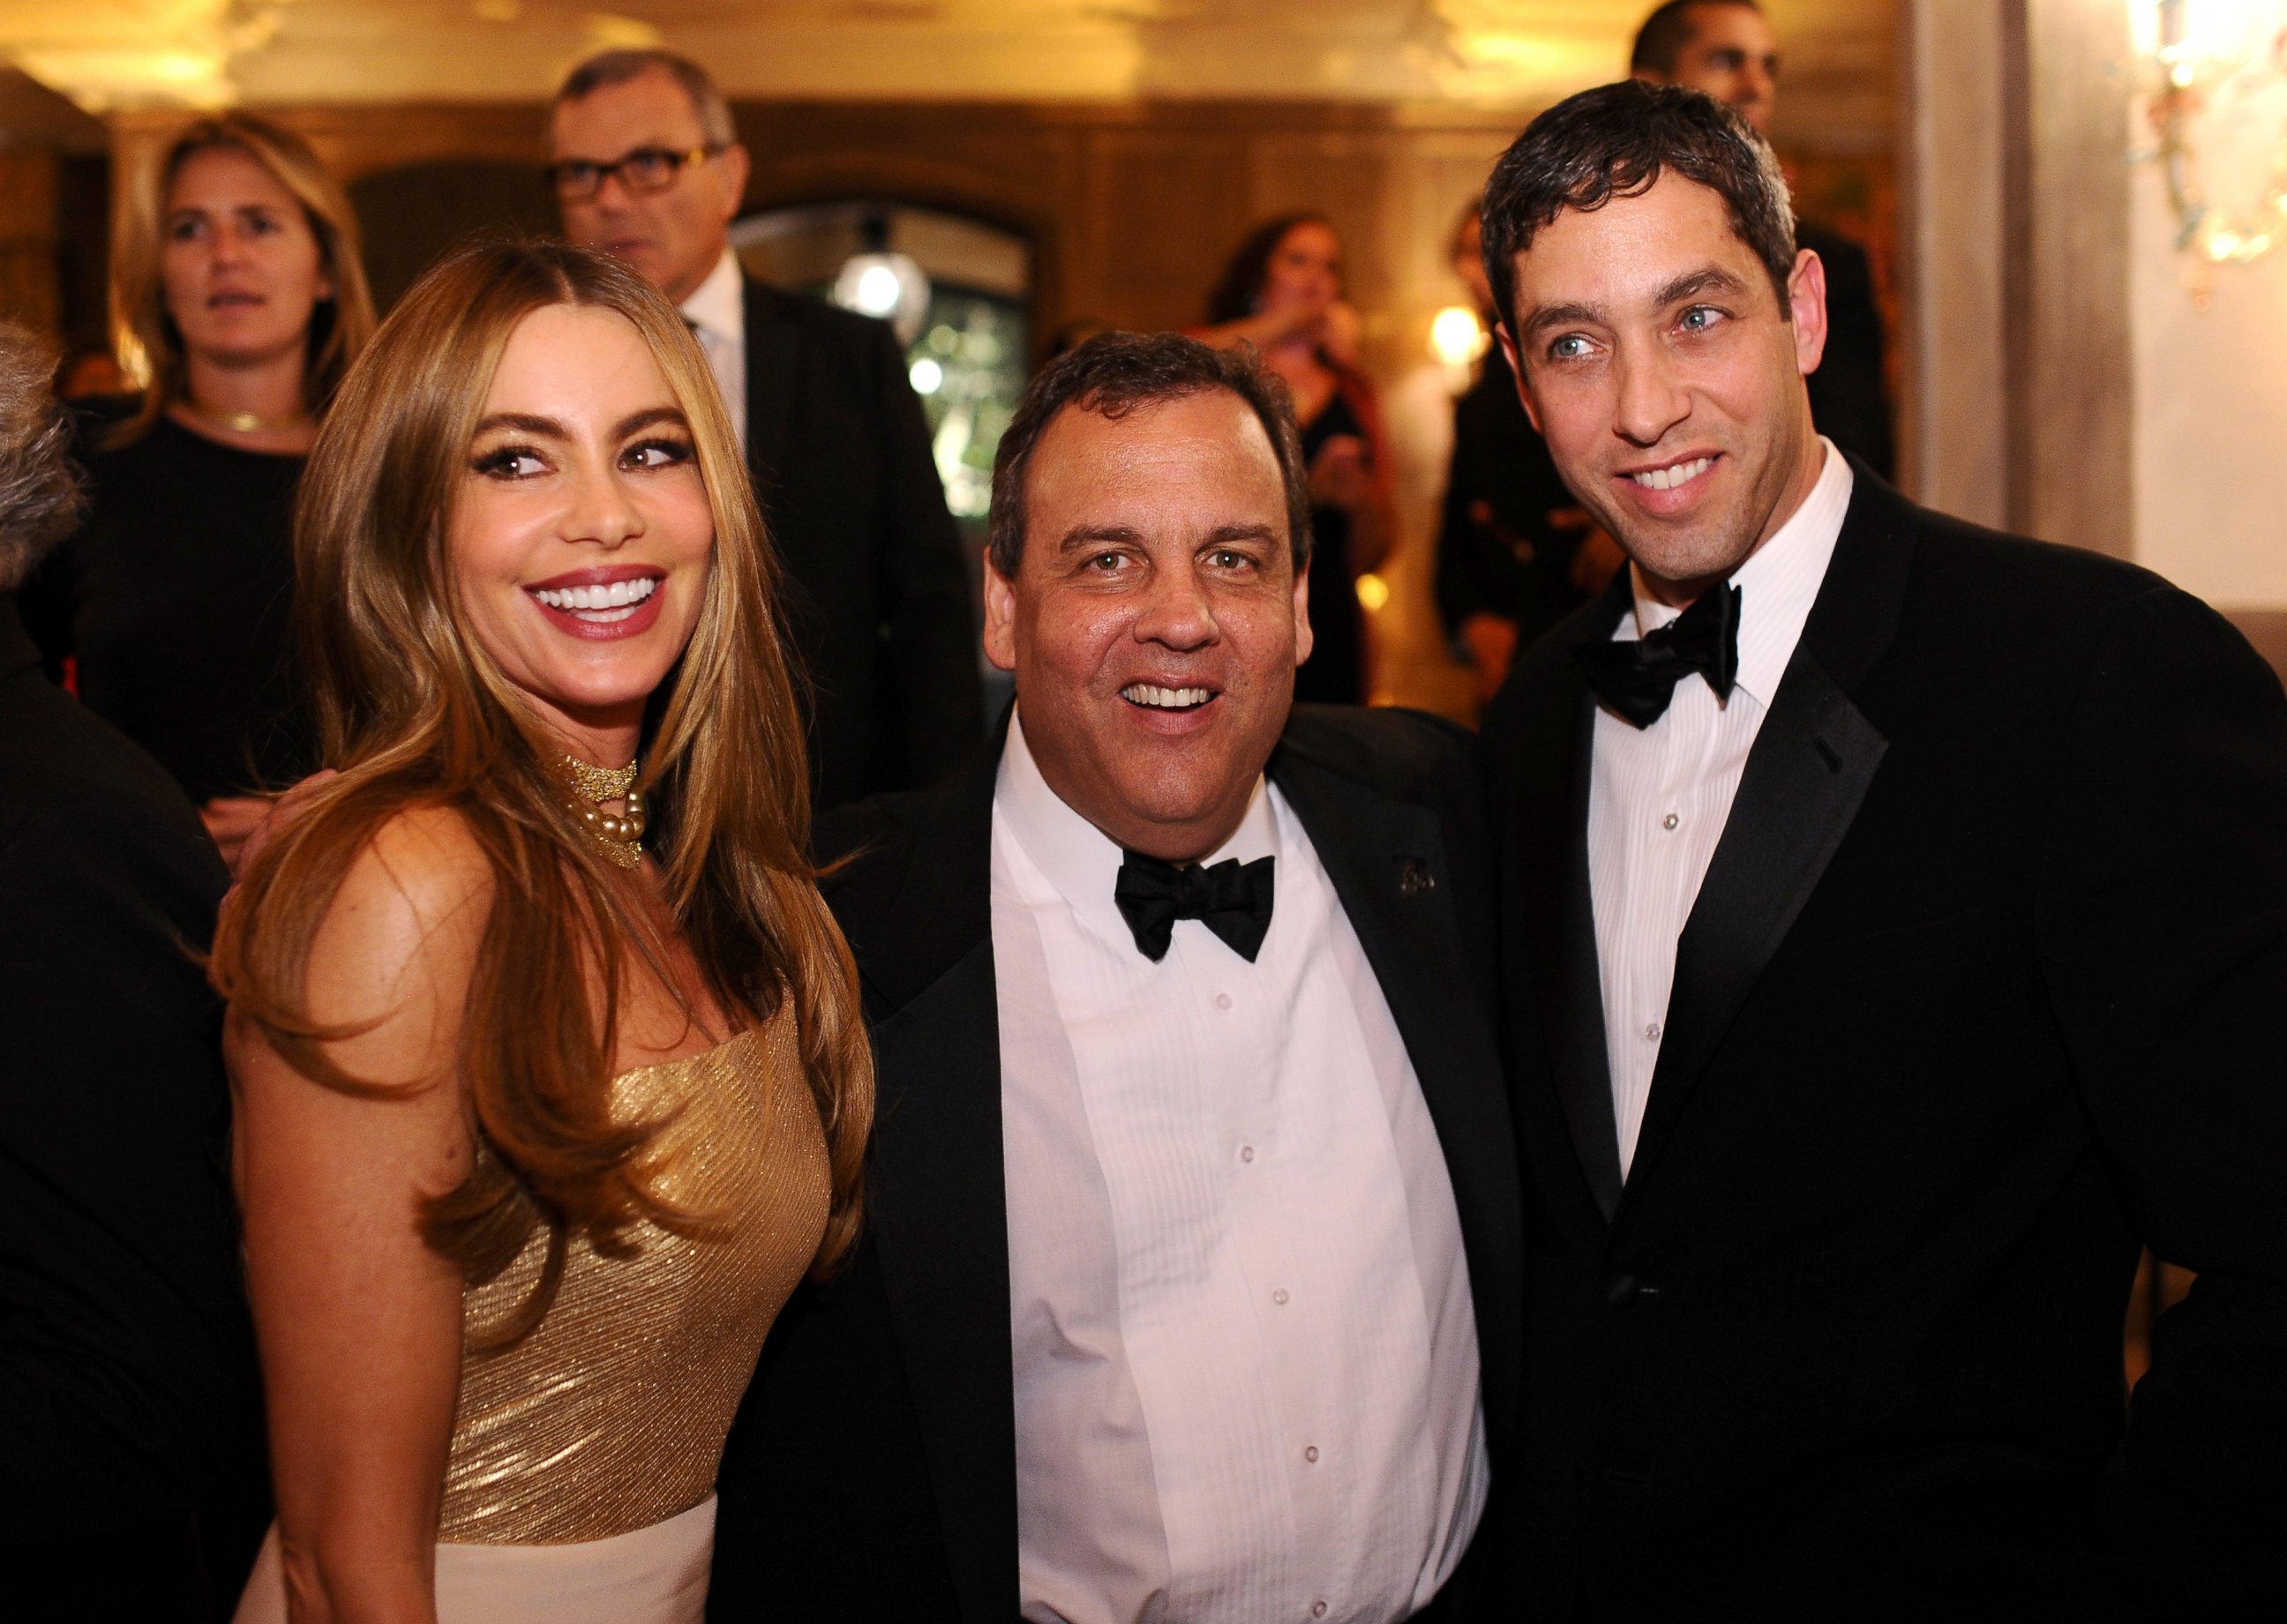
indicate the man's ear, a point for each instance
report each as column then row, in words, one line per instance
column 1807, row 309
column 1303, row 639
column 736, row 166
column 1000, row 617
column 1516, row 371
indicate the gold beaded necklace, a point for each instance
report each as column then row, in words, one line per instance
column 245, row 422
column 621, row 837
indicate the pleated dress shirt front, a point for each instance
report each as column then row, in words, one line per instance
column 1245, row 1359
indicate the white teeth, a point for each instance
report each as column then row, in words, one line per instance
column 1668, row 479
column 1165, row 698
column 619, row 595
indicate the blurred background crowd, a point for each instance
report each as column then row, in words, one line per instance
column 2047, row 225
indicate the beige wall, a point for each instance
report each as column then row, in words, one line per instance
column 2211, row 407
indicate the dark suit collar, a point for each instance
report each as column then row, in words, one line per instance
column 1548, row 885
column 1813, row 761
column 937, row 1219
column 18, row 652
column 773, row 352
column 1387, row 861
column 1855, row 614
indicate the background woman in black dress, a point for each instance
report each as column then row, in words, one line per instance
column 239, row 294
column 1282, row 293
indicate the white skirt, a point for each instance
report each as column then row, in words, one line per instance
column 654, row 1575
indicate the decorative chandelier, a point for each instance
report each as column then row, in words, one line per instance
column 2220, row 73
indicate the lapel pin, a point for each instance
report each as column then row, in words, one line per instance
column 1414, row 878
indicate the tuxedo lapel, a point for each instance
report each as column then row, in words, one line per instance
column 1549, row 888
column 1391, row 869
column 773, row 352
column 1813, row 760
column 941, row 1222
column 939, row 1217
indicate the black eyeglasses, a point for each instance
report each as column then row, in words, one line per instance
column 645, row 170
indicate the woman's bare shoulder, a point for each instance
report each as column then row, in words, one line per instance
column 401, row 933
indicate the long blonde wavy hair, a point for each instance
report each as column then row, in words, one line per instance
column 412, row 711
column 144, row 335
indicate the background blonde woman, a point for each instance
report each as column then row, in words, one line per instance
column 550, row 1075
column 238, row 290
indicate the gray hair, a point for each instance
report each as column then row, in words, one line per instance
column 619, row 66
column 40, row 495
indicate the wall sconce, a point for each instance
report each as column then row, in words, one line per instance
column 2220, row 66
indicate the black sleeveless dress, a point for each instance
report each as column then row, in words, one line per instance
column 1335, row 672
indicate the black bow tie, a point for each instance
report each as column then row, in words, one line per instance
column 1638, row 679
column 1232, row 899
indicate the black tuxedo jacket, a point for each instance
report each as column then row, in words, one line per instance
column 871, row 1471
column 131, row 1475
column 1987, row 982
column 877, row 595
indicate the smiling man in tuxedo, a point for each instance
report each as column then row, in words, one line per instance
column 1190, row 1285
column 1895, row 922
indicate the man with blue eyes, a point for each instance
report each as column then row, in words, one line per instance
column 1189, row 1287
column 647, row 165
column 1894, row 935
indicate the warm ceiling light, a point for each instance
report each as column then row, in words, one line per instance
column 1456, row 336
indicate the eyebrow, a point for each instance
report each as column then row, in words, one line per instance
column 1221, row 534
column 634, row 422
column 1089, row 535
column 1706, row 278
column 1544, row 316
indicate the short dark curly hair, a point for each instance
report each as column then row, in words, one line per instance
column 1114, row 374
column 1617, row 140
column 40, row 495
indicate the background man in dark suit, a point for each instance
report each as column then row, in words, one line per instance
column 1895, row 922
column 131, row 1478
column 1189, row 1284
column 647, row 165
column 1726, row 49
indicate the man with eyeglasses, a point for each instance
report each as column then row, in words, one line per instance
column 646, row 164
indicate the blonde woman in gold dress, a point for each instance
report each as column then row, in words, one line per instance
column 552, row 1081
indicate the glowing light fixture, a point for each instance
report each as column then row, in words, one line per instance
column 1373, row 592
column 876, row 282
column 2220, row 71
column 1456, row 336
column 927, row 377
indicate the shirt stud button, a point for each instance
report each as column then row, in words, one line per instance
column 1247, row 1153
column 1312, row 1454
column 1318, row 1610
column 1222, row 1000
column 1651, row 1032
column 1670, row 821
column 1280, row 1296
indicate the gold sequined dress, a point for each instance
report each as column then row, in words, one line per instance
column 581, row 1480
